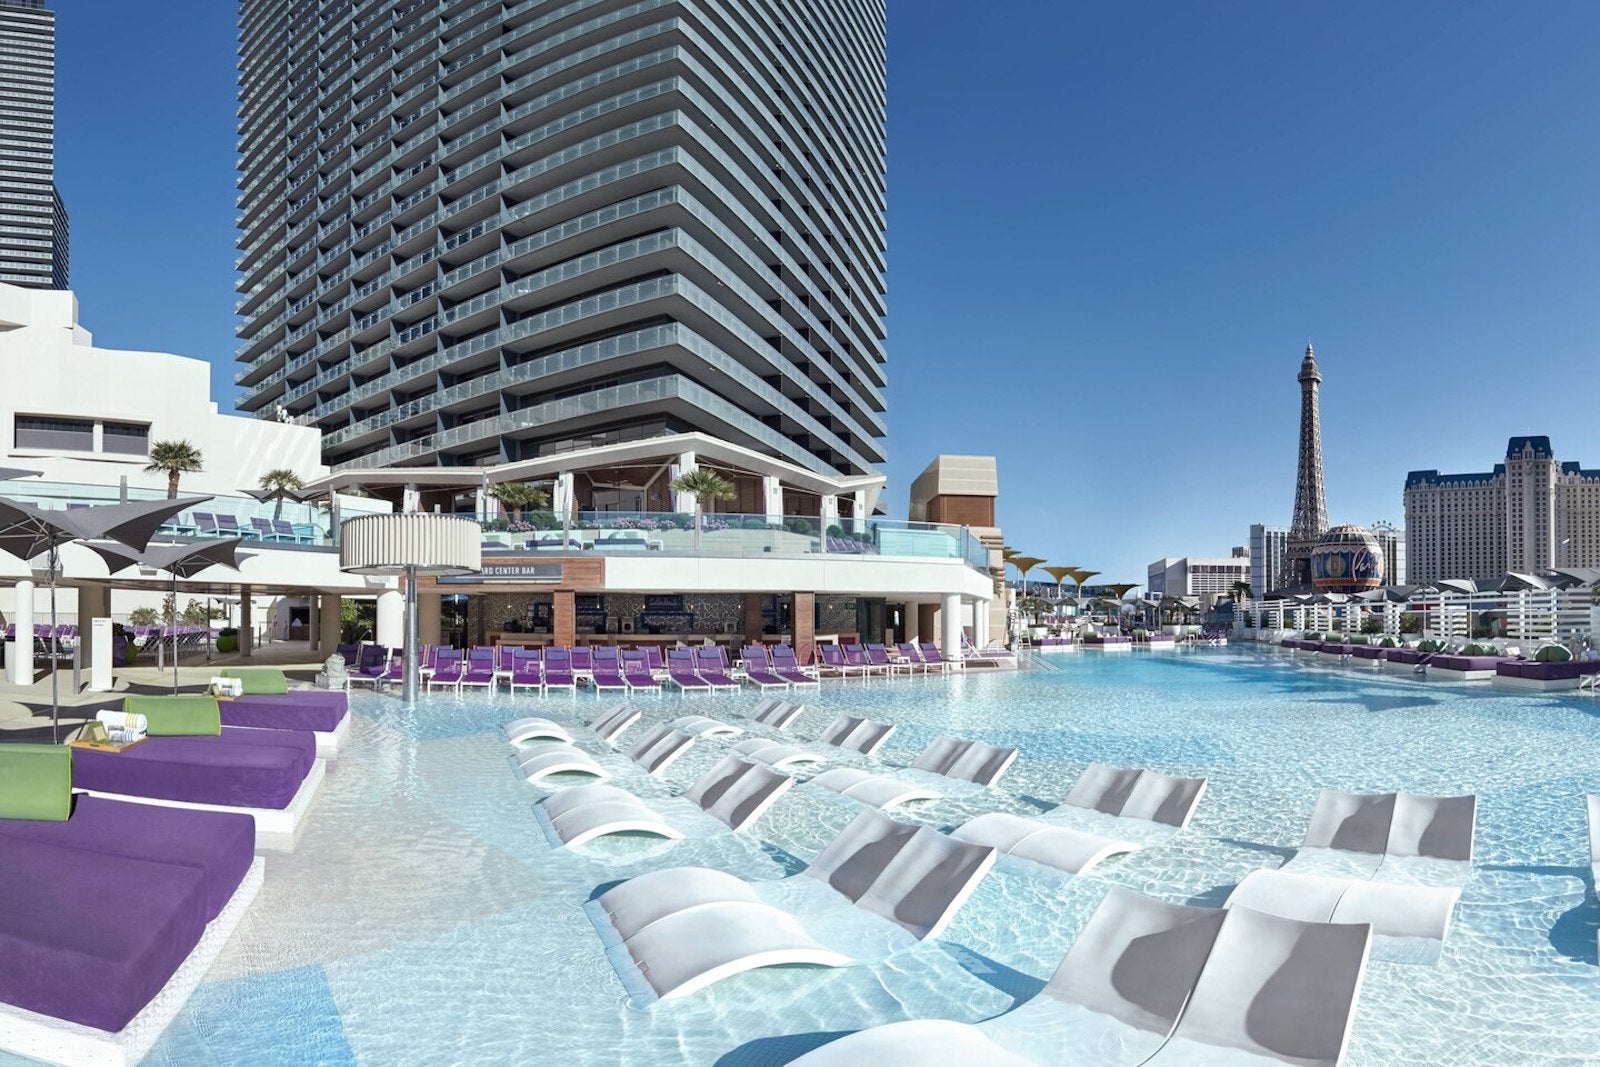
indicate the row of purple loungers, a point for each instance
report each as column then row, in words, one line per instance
column 102, row 909
column 875, row 659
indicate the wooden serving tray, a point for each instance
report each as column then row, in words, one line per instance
column 106, row 746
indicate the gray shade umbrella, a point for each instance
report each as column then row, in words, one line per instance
column 8, row 473
column 179, row 560
column 280, row 495
column 27, row 531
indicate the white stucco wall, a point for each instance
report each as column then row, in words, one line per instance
column 50, row 368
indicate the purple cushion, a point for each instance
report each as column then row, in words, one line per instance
column 239, row 768
column 307, row 709
column 1465, row 663
column 1368, row 652
column 221, row 845
column 70, row 949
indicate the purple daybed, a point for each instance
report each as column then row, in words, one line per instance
column 270, row 775
column 70, row 948
column 221, row 845
column 324, row 712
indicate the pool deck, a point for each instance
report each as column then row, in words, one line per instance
column 25, row 709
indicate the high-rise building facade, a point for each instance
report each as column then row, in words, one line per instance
column 1310, row 499
column 1528, row 514
column 1209, row 577
column 1268, row 545
column 33, row 220
column 479, row 232
column 1392, row 541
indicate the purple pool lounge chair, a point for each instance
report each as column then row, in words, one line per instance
column 932, row 657
column 371, row 663
column 636, row 672
column 449, row 667
column 759, row 670
column 525, row 670
column 681, row 671
column 710, row 664
column 607, row 670
column 480, row 669
column 787, row 666
column 558, row 669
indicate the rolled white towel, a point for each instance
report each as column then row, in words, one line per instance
column 123, row 727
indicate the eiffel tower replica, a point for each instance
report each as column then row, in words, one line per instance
column 1310, row 501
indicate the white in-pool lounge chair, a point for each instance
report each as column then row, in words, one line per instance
column 1395, row 860
column 1148, row 982
column 854, row 734
column 776, row 753
column 1116, row 803
column 606, row 725
column 878, row 887
column 874, row 790
column 538, row 761
column 735, row 792
column 778, row 714
column 705, row 726
column 945, row 757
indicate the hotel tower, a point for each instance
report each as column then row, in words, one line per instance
column 33, row 222
column 479, row 231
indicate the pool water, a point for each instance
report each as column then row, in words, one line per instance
column 424, row 917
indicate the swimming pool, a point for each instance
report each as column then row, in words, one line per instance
column 424, row 918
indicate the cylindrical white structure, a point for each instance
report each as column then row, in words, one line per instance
column 950, row 618
column 391, row 618
column 408, row 545
column 19, row 662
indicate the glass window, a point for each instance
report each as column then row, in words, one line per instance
column 67, row 435
column 125, row 438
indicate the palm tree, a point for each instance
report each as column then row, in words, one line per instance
column 1240, row 590
column 515, row 496
column 280, row 482
column 173, row 457
column 706, row 485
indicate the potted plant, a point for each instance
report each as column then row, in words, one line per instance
column 228, row 639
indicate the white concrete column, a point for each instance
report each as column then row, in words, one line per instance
column 950, row 623
column 980, row 623
column 329, row 614
column 19, row 657
column 480, row 503
column 772, row 494
column 247, row 630
column 313, row 622
column 828, row 506
column 561, row 499
column 391, row 618
column 858, row 501
column 410, row 499
column 94, row 602
column 683, row 503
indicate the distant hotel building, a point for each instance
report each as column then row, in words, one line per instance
column 1528, row 514
column 480, row 234
column 1268, row 545
column 1208, row 577
column 1393, row 542
column 33, row 221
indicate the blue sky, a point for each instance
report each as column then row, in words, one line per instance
column 1113, row 229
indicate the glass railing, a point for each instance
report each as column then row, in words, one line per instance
column 270, row 522
column 743, row 536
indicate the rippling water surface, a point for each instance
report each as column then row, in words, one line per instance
column 425, row 919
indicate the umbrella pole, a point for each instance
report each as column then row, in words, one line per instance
column 54, row 559
column 174, row 636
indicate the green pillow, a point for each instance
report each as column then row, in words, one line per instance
column 1356, row 639
column 183, row 715
column 1387, row 642
column 1480, row 650
column 262, row 681
column 36, row 782
column 1552, row 654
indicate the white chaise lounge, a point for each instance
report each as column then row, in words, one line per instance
column 946, row 757
column 1109, row 811
column 776, row 753
column 1148, row 982
column 705, row 726
column 878, row 887
column 777, row 714
column 735, row 792
column 607, row 726
column 1395, row 860
column 655, row 751
column 854, row 734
